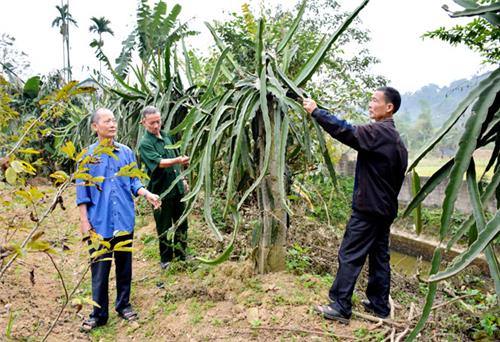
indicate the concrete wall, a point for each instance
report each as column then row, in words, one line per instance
column 436, row 197
column 347, row 166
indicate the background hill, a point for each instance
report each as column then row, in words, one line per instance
column 424, row 111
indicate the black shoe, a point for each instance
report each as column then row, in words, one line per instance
column 369, row 308
column 328, row 312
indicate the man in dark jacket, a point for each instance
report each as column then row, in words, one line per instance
column 380, row 169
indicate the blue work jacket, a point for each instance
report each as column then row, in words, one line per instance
column 110, row 207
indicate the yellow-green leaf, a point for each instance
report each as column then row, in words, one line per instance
column 84, row 176
column 11, row 176
column 17, row 166
column 36, row 194
column 124, row 249
column 98, row 179
column 29, row 151
column 59, row 176
column 105, row 244
column 69, row 149
column 24, row 194
column 80, row 155
column 122, row 243
column 38, row 245
column 98, row 253
column 90, row 301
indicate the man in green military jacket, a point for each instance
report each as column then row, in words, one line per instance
column 163, row 166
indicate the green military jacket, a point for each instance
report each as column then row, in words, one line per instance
column 152, row 150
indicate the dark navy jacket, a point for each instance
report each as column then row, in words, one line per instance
column 381, row 164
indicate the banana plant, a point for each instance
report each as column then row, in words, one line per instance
column 241, row 131
column 157, row 79
column 482, row 128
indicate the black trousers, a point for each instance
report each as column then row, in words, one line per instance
column 171, row 247
column 100, row 278
column 364, row 236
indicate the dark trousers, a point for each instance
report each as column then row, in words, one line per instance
column 100, row 278
column 364, row 236
column 171, row 246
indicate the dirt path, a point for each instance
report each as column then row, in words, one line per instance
column 190, row 302
column 196, row 302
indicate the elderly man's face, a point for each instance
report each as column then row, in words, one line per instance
column 152, row 123
column 105, row 125
column 378, row 108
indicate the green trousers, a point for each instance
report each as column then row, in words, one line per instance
column 171, row 245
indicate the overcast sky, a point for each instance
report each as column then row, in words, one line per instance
column 395, row 28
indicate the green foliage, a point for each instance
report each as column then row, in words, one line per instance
column 254, row 123
column 479, row 35
column 490, row 325
column 157, row 79
column 297, row 40
column 481, row 129
column 100, row 26
column 328, row 202
column 297, row 260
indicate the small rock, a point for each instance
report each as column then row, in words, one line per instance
column 252, row 315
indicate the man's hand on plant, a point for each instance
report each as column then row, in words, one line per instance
column 154, row 199
column 183, row 160
column 309, row 105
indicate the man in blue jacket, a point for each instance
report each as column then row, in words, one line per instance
column 380, row 169
column 108, row 210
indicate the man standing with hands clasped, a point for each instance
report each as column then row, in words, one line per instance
column 163, row 166
column 380, row 169
column 108, row 210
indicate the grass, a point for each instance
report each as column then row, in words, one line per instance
column 427, row 166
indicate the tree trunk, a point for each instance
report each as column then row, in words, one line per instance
column 271, row 249
column 67, row 54
column 64, row 57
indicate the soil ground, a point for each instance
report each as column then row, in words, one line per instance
column 197, row 302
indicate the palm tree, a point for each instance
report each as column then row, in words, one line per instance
column 62, row 21
column 100, row 26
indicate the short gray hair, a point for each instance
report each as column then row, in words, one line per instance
column 149, row 110
column 95, row 115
